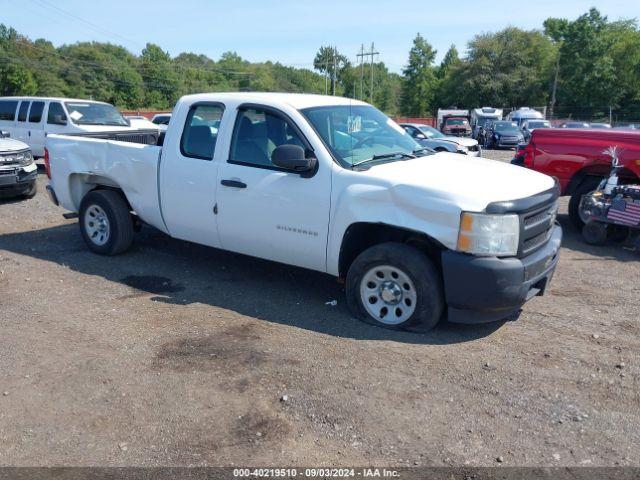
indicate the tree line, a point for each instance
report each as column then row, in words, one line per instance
column 590, row 62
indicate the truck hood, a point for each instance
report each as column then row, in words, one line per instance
column 468, row 183
column 10, row 145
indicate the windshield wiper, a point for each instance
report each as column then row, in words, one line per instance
column 423, row 149
column 384, row 156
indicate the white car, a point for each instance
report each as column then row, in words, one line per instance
column 18, row 171
column 31, row 119
column 329, row 184
column 438, row 141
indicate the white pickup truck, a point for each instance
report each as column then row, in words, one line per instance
column 330, row 184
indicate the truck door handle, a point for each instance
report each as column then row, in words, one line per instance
column 233, row 183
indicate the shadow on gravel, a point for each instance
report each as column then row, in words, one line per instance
column 181, row 273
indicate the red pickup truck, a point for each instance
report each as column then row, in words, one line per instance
column 577, row 159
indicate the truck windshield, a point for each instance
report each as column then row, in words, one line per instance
column 361, row 133
column 86, row 113
column 456, row 121
column 506, row 127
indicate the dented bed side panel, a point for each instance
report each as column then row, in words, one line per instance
column 80, row 164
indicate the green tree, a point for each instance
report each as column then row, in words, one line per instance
column 161, row 79
column 420, row 82
column 595, row 59
column 509, row 68
column 332, row 63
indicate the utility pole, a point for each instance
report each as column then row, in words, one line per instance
column 326, row 73
column 335, row 64
column 361, row 55
column 372, row 53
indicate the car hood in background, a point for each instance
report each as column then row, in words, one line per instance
column 11, row 145
column 464, row 141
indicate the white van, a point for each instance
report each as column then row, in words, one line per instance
column 31, row 119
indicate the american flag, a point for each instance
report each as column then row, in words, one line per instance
column 624, row 212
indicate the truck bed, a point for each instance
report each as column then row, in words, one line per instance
column 77, row 160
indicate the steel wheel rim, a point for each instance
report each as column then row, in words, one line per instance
column 581, row 213
column 96, row 224
column 388, row 294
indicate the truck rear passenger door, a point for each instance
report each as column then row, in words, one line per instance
column 189, row 173
column 265, row 211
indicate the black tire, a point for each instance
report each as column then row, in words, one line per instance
column 594, row 233
column 618, row 233
column 588, row 185
column 119, row 220
column 410, row 261
column 31, row 191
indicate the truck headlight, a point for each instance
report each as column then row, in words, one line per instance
column 24, row 158
column 484, row 234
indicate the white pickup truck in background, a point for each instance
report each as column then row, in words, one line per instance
column 330, row 184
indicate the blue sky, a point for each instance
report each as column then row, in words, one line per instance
column 289, row 31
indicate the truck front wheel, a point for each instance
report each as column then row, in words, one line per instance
column 105, row 222
column 395, row 286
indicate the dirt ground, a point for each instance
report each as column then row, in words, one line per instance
column 176, row 354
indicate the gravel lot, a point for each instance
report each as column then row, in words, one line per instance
column 176, row 354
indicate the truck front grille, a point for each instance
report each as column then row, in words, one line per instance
column 536, row 227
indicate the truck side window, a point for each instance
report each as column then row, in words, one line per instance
column 201, row 131
column 22, row 113
column 35, row 114
column 256, row 136
column 56, row 114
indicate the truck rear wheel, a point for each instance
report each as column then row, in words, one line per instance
column 393, row 285
column 105, row 222
column 588, row 185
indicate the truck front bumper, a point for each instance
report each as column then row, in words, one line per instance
column 17, row 181
column 488, row 289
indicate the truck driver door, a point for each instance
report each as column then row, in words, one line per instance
column 264, row 210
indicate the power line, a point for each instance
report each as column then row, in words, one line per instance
column 361, row 55
column 95, row 27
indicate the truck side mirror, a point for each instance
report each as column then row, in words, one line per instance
column 420, row 136
column 292, row 157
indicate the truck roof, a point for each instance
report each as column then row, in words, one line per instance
column 55, row 99
column 295, row 100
